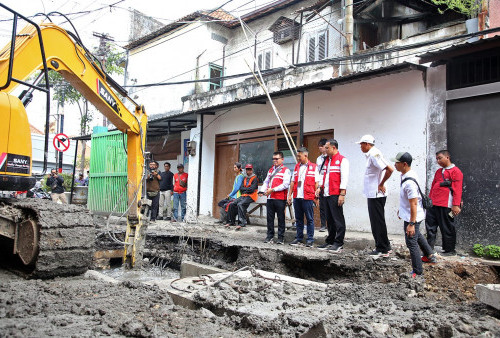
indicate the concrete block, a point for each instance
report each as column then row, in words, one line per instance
column 192, row 269
column 489, row 294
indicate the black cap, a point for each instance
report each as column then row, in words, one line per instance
column 180, row 165
column 403, row 157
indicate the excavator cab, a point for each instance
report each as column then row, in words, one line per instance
column 15, row 145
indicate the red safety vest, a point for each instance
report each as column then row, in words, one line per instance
column 177, row 185
column 309, row 183
column 253, row 195
column 334, row 175
column 276, row 181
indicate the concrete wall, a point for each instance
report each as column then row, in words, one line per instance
column 393, row 108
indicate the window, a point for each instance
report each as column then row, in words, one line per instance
column 264, row 60
column 317, row 47
column 215, row 76
column 258, row 154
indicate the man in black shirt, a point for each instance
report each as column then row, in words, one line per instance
column 166, row 189
column 55, row 182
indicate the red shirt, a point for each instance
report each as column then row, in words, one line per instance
column 440, row 196
column 177, row 186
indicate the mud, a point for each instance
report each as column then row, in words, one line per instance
column 74, row 306
column 360, row 296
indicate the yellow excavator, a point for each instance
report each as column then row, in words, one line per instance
column 45, row 240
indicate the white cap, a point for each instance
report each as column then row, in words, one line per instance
column 367, row 139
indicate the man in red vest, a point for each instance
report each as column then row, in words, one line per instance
column 335, row 176
column 248, row 195
column 305, row 189
column 180, row 188
column 275, row 187
column 446, row 196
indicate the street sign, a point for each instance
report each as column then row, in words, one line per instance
column 61, row 142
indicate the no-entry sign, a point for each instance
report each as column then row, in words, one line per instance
column 61, row 142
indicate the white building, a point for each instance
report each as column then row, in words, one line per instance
column 319, row 89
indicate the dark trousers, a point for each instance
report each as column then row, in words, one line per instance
column 239, row 207
column 335, row 221
column 377, row 221
column 155, row 205
column 304, row 207
column 274, row 206
column 416, row 243
column 322, row 210
column 438, row 217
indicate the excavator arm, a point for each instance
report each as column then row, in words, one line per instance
column 69, row 58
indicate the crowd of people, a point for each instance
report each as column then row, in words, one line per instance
column 162, row 187
column 324, row 184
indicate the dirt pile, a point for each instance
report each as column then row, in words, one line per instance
column 78, row 307
column 267, row 307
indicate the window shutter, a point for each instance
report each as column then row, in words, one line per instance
column 321, row 46
column 259, row 61
column 312, row 48
column 268, row 60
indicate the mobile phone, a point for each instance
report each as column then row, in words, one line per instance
column 451, row 214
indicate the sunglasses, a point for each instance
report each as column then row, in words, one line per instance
column 276, row 158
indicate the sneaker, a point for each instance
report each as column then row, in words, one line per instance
column 322, row 229
column 296, row 242
column 152, row 220
column 449, row 253
column 413, row 275
column 386, row 254
column 335, row 248
column 429, row 259
column 375, row 253
column 309, row 244
column 169, row 218
column 268, row 240
column 324, row 246
column 280, row 241
column 159, row 218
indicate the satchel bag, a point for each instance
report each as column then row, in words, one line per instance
column 426, row 200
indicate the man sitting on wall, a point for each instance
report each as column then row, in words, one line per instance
column 240, row 205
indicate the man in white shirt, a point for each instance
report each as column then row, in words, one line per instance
column 275, row 187
column 377, row 173
column 320, row 162
column 335, row 175
column 412, row 212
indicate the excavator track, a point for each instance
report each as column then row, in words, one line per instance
column 53, row 239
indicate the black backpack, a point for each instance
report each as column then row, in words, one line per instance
column 426, row 200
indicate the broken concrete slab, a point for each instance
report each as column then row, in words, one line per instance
column 489, row 294
column 193, row 269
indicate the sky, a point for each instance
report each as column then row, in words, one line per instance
column 110, row 17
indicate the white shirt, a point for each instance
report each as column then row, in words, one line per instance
column 344, row 175
column 302, row 178
column 450, row 196
column 409, row 190
column 319, row 162
column 375, row 165
column 281, row 187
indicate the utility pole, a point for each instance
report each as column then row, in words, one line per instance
column 102, row 53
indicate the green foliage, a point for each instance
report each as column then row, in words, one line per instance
column 488, row 251
column 470, row 8
column 66, row 184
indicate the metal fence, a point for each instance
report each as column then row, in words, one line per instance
column 108, row 173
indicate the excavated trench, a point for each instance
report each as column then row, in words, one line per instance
column 311, row 264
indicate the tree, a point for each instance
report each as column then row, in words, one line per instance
column 63, row 92
column 470, row 8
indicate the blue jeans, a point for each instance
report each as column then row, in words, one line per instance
column 416, row 243
column 179, row 198
column 304, row 207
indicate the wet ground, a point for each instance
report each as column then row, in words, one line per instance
column 361, row 296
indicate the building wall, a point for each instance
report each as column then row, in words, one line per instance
column 172, row 58
column 38, row 145
column 393, row 108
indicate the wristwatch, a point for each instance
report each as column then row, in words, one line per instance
column 411, row 223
